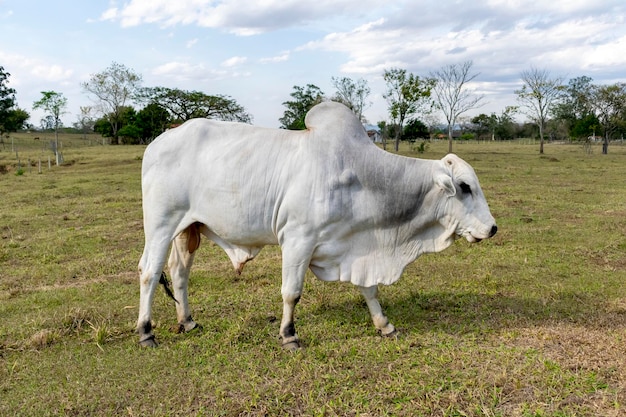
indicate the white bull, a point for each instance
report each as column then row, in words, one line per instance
column 332, row 200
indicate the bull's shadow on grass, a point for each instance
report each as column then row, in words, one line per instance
column 344, row 315
column 470, row 312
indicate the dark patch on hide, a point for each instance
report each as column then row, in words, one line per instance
column 400, row 203
column 290, row 330
column 403, row 208
column 146, row 328
column 398, row 188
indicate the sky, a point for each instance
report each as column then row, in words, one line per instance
column 256, row 51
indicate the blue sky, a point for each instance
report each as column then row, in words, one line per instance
column 257, row 53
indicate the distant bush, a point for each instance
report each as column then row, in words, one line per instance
column 420, row 148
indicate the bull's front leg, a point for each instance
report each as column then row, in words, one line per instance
column 295, row 265
column 288, row 336
column 380, row 321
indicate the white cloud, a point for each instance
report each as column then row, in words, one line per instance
column 191, row 43
column 608, row 54
column 278, row 58
column 234, row 61
column 38, row 70
column 53, row 73
column 110, row 14
column 549, row 41
column 183, row 71
column 240, row 17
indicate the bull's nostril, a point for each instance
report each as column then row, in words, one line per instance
column 494, row 230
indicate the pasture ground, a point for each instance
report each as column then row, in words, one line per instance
column 529, row 323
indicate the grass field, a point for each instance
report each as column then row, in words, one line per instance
column 529, row 323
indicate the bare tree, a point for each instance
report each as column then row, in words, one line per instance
column 352, row 93
column 538, row 95
column 113, row 88
column 406, row 95
column 452, row 95
column 84, row 121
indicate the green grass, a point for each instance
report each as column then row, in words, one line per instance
column 529, row 323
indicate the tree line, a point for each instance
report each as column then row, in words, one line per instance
column 579, row 110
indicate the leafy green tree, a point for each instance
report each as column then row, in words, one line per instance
column 539, row 93
column 304, row 98
column 584, row 127
column 352, row 93
column 500, row 126
column 130, row 134
column 184, row 105
column 54, row 104
column 126, row 116
column 15, row 120
column 7, row 101
column 579, row 96
column 137, row 127
column 112, row 89
column 103, row 127
column 505, row 128
column 609, row 102
column 452, row 96
column 152, row 120
column 415, row 129
column 406, row 95
column 576, row 108
column 484, row 124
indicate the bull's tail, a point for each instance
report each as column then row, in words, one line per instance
column 166, row 285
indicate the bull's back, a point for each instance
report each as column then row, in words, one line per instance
column 229, row 176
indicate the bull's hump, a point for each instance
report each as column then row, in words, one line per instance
column 334, row 122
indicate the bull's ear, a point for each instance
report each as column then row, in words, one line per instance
column 445, row 182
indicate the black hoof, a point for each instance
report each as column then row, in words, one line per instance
column 391, row 335
column 148, row 342
column 195, row 326
column 185, row 327
column 292, row 346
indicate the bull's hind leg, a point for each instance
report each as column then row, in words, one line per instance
column 179, row 263
column 380, row 321
column 150, row 270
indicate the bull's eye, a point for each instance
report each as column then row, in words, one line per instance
column 465, row 188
